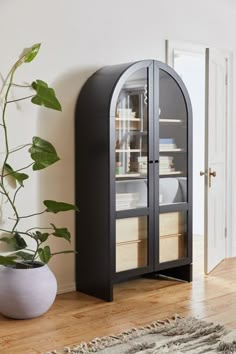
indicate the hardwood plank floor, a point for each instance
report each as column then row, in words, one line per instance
column 76, row 317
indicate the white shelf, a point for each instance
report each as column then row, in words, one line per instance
column 128, row 119
column 128, row 150
column 170, row 173
column 128, row 175
column 172, row 150
column 175, row 121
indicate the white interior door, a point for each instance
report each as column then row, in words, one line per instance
column 216, row 106
column 215, row 159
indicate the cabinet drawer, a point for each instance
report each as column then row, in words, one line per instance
column 131, row 255
column 171, row 247
column 171, row 223
column 131, row 229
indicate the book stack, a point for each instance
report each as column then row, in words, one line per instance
column 126, row 200
column 167, row 144
column 166, row 164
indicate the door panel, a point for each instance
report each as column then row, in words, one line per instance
column 134, row 172
column 131, row 143
column 173, row 142
column 215, row 159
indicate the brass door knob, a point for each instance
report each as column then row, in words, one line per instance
column 203, row 173
column 211, row 174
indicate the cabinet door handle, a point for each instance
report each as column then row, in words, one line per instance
column 203, row 173
column 211, row 174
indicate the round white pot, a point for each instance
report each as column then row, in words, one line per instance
column 26, row 293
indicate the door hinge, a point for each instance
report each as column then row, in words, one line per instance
column 225, row 232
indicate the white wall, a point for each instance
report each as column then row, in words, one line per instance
column 191, row 68
column 77, row 38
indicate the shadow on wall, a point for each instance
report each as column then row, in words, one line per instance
column 58, row 181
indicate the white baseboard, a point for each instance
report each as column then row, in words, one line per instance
column 66, row 288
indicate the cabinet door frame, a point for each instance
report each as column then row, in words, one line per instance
column 114, row 215
column 178, row 207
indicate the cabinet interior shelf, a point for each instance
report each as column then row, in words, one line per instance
column 127, row 119
column 128, row 150
column 171, row 173
column 172, row 150
column 171, row 121
column 131, row 175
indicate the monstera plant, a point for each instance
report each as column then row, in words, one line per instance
column 12, row 180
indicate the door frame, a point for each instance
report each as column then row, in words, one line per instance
column 194, row 48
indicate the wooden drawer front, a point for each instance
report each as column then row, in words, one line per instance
column 171, row 247
column 131, row 229
column 131, row 255
column 171, row 223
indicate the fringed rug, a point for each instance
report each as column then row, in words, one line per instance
column 177, row 335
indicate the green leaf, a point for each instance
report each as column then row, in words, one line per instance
column 30, row 54
column 45, row 96
column 44, row 254
column 42, row 237
column 7, row 260
column 19, row 177
column 56, row 207
column 43, row 153
column 25, row 256
column 61, row 232
column 16, row 241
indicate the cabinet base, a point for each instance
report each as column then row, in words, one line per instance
column 181, row 273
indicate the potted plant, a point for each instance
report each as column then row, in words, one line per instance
column 27, row 286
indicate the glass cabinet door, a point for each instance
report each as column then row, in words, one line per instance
column 131, row 171
column 172, row 142
column 131, row 143
column 173, row 170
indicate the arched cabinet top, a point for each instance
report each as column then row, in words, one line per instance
column 100, row 92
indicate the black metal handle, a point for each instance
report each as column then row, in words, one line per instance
column 155, row 161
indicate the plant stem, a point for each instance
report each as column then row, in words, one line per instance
column 20, row 99
column 14, row 198
column 68, row 251
column 28, row 216
column 19, row 148
column 39, row 228
column 7, row 146
column 20, row 169
column 17, row 85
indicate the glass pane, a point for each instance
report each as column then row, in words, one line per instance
column 131, row 147
column 173, row 236
column 131, row 243
column 172, row 142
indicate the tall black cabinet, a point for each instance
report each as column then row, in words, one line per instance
column 133, row 133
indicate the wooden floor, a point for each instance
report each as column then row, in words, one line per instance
column 76, row 317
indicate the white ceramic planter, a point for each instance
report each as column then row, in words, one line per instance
column 26, row 293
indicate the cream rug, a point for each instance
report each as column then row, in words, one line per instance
column 177, row 336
